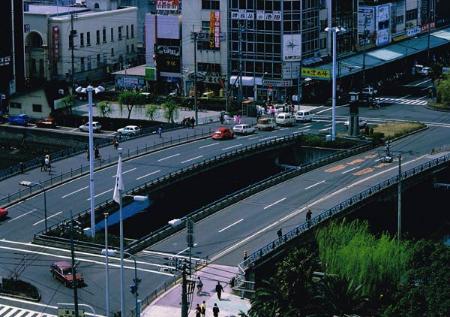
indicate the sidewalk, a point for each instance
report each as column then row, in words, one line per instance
column 169, row 303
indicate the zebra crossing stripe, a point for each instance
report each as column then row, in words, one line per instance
column 10, row 311
column 404, row 101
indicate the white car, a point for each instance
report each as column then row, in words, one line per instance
column 285, row 119
column 96, row 127
column 129, row 130
column 362, row 123
column 243, row 129
column 303, row 116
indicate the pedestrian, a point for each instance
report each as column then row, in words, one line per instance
column 43, row 164
column 245, row 255
column 219, row 290
column 47, row 162
column 308, row 216
column 97, row 152
column 160, row 131
column 22, row 167
column 215, row 310
column 280, row 233
column 192, row 122
column 198, row 311
column 222, row 119
column 199, row 286
column 203, row 309
column 116, row 143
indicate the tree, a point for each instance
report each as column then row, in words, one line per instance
column 170, row 110
column 443, row 91
column 105, row 108
column 69, row 102
column 131, row 99
column 150, row 111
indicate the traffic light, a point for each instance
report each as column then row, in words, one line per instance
column 133, row 289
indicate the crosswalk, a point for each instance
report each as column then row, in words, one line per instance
column 403, row 101
column 11, row 311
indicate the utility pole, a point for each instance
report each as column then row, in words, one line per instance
column 190, row 241
column 184, row 301
column 74, row 271
column 399, row 199
column 72, row 48
column 195, row 38
column 240, row 97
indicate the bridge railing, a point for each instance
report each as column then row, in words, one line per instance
column 327, row 214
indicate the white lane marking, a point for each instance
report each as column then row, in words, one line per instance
column 283, row 129
column 268, row 138
column 378, row 159
column 106, row 191
column 192, row 159
column 352, row 169
column 233, row 224
column 424, row 97
column 329, row 109
column 300, row 210
column 81, row 260
column 231, row 147
column 22, row 215
column 165, row 254
column 130, row 170
column 184, row 250
column 143, row 176
column 325, row 129
column 274, row 203
column 316, row 184
column 74, row 192
column 168, row 157
column 305, row 126
column 422, row 82
column 208, row 145
column 40, row 221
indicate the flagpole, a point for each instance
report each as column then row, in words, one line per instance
column 122, row 293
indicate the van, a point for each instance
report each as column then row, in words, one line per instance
column 285, row 119
column 266, row 123
column 303, row 116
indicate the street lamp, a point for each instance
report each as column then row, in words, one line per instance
column 334, row 30
column 30, row 185
column 89, row 89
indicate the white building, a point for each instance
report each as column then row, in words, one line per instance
column 104, row 39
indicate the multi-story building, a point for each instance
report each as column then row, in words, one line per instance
column 11, row 50
column 103, row 39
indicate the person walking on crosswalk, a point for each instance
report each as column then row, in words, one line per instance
column 216, row 310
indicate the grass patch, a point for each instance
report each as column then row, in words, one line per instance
column 392, row 130
column 440, row 106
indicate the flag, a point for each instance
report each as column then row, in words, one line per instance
column 119, row 182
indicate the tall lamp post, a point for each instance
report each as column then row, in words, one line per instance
column 30, row 185
column 89, row 90
column 334, row 30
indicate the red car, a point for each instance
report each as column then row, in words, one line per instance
column 62, row 271
column 223, row 134
column 3, row 213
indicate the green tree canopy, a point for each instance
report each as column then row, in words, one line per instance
column 69, row 102
column 104, row 107
column 443, row 90
column 170, row 110
column 150, row 111
column 131, row 99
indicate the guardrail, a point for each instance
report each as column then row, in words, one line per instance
column 327, row 214
column 56, row 179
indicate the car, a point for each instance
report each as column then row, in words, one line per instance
column 21, row 119
column 46, row 123
column 362, row 123
column 3, row 213
column 369, row 90
column 423, row 70
column 303, row 116
column 223, row 134
column 243, row 129
column 96, row 127
column 266, row 124
column 129, row 130
column 285, row 119
column 62, row 271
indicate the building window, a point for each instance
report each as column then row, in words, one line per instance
column 82, row 64
column 132, row 48
column 132, row 31
column 120, row 32
column 89, row 63
column 112, row 35
column 98, row 37
column 88, row 38
column 98, row 60
column 37, row 108
column 127, row 32
column 112, row 51
column 411, row 15
column 104, row 35
column 81, row 39
column 210, row 4
column 15, row 105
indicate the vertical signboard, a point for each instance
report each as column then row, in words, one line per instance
column 383, row 24
column 55, row 42
column 292, row 47
column 212, row 18
column 217, row 29
column 366, row 24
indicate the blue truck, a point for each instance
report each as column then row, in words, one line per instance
column 21, row 119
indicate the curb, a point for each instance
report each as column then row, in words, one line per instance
column 22, row 297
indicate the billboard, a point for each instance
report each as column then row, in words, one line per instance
column 167, row 5
column 383, row 24
column 167, row 58
column 292, row 47
column 322, row 74
column 366, row 25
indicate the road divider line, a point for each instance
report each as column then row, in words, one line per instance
column 149, row 174
column 74, row 192
column 233, row 224
column 130, row 170
column 208, row 145
column 316, row 184
column 270, row 137
column 106, row 191
column 168, row 157
column 352, row 169
column 274, row 203
column 54, row 215
column 192, row 159
column 22, row 215
column 185, row 249
column 231, row 147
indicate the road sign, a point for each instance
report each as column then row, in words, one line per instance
column 323, row 74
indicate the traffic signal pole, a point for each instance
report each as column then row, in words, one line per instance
column 184, row 301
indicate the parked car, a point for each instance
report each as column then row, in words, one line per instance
column 21, row 119
column 362, row 123
column 96, row 127
column 303, row 116
column 423, row 70
column 243, row 129
column 266, row 123
column 46, row 123
column 62, row 271
column 129, row 130
column 223, row 134
column 285, row 119
column 3, row 213
column 369, row 90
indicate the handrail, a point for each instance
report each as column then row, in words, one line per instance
column 327, row 214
